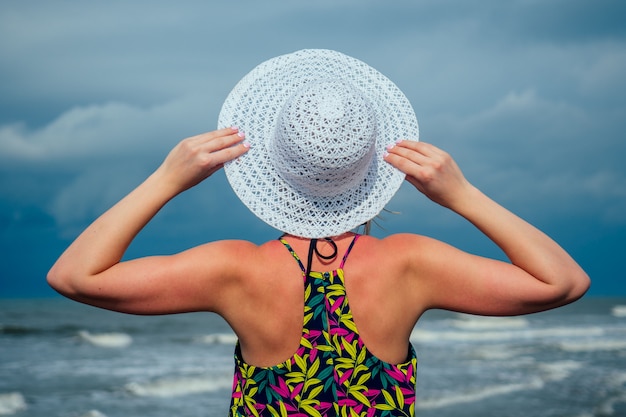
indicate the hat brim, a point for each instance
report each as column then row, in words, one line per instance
column 254, row 105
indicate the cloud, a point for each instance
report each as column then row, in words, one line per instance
column 603, row 77
column 97, row 153
column 110, row 130
column 89, row 194
column 526, row 150
column 507, row 95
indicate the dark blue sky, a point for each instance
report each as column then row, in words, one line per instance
column 529, row 97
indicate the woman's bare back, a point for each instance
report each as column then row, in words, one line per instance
column 269, row 323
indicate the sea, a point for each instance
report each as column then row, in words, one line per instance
column 60, row 358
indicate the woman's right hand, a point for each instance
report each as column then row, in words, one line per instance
column 196, row 158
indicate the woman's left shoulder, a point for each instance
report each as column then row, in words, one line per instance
column 400, row 242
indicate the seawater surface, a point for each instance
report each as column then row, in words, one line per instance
column 60, row 358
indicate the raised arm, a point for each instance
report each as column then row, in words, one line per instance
column 541, row 274
column 90, row 270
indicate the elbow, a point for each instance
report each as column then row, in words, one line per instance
column 555, row 296
column 55, row 280
column 61, row 281
column 564, row 292
column 579, row 283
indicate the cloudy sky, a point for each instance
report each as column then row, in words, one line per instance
column 528, row 95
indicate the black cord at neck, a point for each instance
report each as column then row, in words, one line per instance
column 313, row 248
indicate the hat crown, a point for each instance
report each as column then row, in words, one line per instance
column 324, row 141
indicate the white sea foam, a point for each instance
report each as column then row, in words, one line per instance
column 618, row 379
column 107, row 340
column 473, row 396
column 607, row 407
column 500, row 352
column 219, row 339
column 559, row 371
column 93, row 413
column 593, row 345
column 11, row 403
column 550, row 372
column 619, row 311
column 426, row 336
column 178, row 386
column 470, row 322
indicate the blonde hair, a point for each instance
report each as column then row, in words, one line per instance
column 366, row 228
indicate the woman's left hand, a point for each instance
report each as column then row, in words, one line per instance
column 91, row 270
column 431, row 170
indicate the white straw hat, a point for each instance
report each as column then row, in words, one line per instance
column 318, row 123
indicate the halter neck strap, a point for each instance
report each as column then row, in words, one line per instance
column 313, row 248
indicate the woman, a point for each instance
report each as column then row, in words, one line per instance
column 317, row 153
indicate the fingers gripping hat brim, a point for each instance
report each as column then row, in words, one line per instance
column 254, row 106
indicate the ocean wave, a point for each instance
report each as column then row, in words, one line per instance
column 470, row 322
column 559, row 371
column 619, row 311
column 616, row 383
column 478, row 395
column 501, row 352
column 218, row 339
column 11, row 403
column 107, row 340
column 178, row 386
column 618, row 379
column 593, row 345
column 433, row 336
column 607, row 408
column 93, row 413
column 551, row 372
column 15, row 330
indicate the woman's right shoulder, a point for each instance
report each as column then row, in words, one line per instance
column 234, row 262
column 244, row 255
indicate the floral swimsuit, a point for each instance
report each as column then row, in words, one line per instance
column 332, row 373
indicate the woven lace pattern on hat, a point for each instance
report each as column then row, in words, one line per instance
column 325, row 139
